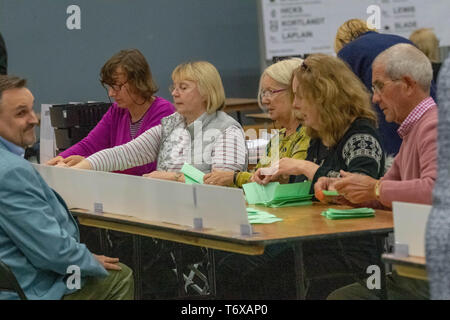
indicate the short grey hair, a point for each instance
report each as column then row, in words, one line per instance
column 404, row 59
column 10, row 82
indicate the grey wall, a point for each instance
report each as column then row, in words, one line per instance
column 63, row 65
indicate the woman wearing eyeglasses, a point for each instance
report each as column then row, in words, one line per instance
column 198, row 133
column 128, row 80
column 335, row 108
column 291, row 141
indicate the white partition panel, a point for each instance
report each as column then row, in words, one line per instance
column 410, row 221
column 221, row 207
column 149, row 199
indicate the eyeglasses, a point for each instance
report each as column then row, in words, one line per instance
column 180, row 88
column 377, row 87
column 115, row 87
column 269, row 93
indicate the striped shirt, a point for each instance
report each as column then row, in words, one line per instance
column 228, row 152
column 134, row 128
column 415, row 116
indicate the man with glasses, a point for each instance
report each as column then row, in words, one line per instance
column 401, row 80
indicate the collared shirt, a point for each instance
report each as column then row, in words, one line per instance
column 13, row 147
column 415, row 116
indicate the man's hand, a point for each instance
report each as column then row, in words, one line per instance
column 356, row 188
column 108, row 263
column 220, row 178
column 324, row 183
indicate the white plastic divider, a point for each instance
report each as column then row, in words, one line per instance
column 218, row 208
column 410, row 220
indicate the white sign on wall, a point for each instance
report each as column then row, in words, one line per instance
column 293, row 27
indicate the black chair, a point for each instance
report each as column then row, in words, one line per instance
column 8, row 281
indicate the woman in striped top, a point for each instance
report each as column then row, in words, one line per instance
column 198, row 133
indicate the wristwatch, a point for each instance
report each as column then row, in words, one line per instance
column 377, row 189
column 235, row 176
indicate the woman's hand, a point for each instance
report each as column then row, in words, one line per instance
column 165, row 175
column 220, row 178
column 73, row 160
column 54, row 161
column 84, row 164
column 279, row 170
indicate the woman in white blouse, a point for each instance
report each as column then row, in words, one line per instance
column 198, row 133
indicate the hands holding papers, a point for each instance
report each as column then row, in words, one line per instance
column 192, row 175
column 353, row 187
column 285, row 167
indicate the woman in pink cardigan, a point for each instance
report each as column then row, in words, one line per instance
column 128, row 79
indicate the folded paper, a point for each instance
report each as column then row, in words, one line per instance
column 335, row 214
column 191, row 174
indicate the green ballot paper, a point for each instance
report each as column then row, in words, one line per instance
column 275, row 194
column 256, row 216
column 335, row 214
column 191, row 174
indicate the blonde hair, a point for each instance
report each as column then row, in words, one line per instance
column 208, row 81
column 329, row 85
column 281, row 72
column 427, row 42
column 349, row 31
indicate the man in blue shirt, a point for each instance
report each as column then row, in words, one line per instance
column 39, row 238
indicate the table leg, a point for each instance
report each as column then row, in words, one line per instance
column 211, row 273
column 138, row 266
column 299, row 271
column 380, row 239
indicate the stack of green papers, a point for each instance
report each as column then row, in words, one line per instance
column 191, row 174
column 256, row 216
column 277, row 195
column 335, row 214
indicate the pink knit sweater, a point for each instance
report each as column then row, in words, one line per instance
column 413, row 173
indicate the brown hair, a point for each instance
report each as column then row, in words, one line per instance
column 349, row 31
column 138, row 72
column 328, row 84
column 10, row 82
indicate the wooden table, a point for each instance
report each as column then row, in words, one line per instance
column 299, row 224
column 239, row 105
column 411, row 266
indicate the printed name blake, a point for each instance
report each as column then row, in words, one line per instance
column 198, row 310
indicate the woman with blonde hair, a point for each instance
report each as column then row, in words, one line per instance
column 198, row 133
column 358, row 46
column 291, row 141
column 336, row 109
column 427, row 42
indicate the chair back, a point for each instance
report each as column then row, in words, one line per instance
column 8, row 281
